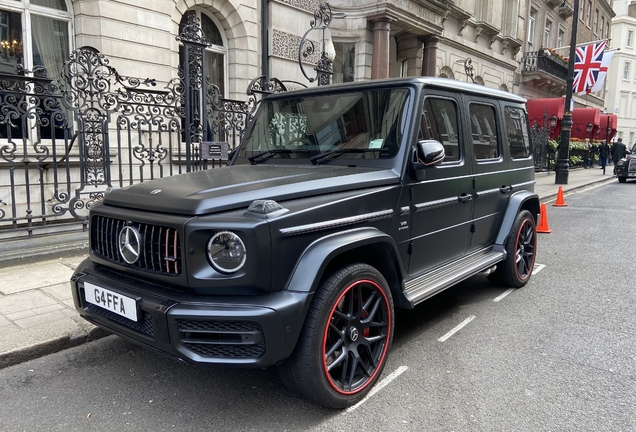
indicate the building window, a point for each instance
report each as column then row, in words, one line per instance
column 344, row 62
column 588, row 13
column 215, row 53
column 630, row 38
column 602, row 28
column 48, row 44
column 560, row 38
column 596, row 21
column 626, row 71
column 546, row 33
column 581, row 10
column 531, row 23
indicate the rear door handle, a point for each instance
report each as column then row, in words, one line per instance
column 505, row 189
column 464, row 198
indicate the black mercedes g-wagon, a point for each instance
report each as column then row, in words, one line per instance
column 342, row 203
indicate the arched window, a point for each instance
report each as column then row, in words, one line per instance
column 34, row 33
column 215, row 54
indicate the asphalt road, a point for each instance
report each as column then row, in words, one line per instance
column 558, row 354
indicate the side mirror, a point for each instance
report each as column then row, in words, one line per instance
column 427, row 153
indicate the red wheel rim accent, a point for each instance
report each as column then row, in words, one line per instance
column 356, row 337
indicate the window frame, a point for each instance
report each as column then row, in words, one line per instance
column 497, row 131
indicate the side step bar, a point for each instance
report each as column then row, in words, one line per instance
column 423, row 287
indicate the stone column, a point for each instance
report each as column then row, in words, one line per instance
column 381, row 44
column 429, row 57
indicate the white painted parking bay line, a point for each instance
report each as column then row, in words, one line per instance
column 537, row 268
column 456, row 329
column 386, row 381
column 501, row 297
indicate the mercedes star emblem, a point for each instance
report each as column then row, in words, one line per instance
column 129, row 244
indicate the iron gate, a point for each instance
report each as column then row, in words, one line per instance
column 64, row 141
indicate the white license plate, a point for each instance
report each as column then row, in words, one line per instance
column 111, row 301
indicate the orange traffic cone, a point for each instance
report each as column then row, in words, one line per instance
column 543, row 221
column 559, row 201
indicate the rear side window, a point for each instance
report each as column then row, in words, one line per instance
column 439, row 122
column 517, row 131
column 484, row 131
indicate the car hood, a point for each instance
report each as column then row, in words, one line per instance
column 229, row 188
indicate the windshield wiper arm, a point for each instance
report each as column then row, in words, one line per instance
column 314, row 159
column 272, row 152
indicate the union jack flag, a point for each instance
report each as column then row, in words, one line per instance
column 587, row 66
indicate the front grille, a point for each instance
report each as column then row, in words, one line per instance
column 632, row 165
column 144, row 325
column 160, row 250
column 222, row 339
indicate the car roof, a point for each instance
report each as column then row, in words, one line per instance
column 424, row 82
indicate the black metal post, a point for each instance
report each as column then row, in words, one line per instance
column 563, row 155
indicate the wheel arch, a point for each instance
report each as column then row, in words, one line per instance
column 522, row 200
column 364, row 245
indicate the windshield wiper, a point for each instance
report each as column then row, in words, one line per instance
column 314, row 159
column 271, row 153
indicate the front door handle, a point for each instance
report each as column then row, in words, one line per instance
column 464, row 198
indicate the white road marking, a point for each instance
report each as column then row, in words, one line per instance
column 501, row 297
column 456, row 329
column 537, row 268
column 386, row 381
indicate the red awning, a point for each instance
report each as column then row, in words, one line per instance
column 582, row 118
column 540, row 111
column 607, row 120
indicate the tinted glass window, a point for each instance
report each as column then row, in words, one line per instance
column 439, row 123
column 359, row 125
column 517, row 132
column 484, row 131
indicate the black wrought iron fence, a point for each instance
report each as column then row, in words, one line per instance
column 64, row 141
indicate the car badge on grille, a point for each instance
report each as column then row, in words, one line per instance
column 129, row 244
column 155, row 191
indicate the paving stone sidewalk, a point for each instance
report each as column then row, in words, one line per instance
column 37, row 316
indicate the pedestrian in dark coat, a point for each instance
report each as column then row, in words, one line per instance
column 603, row 153
column 619, row 150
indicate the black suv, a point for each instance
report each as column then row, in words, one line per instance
column 342, row 203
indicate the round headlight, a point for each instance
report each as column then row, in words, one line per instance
column 226, row 252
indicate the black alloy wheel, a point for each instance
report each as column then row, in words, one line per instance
column 521, row 245
column 346, row 338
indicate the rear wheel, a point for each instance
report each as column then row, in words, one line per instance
column 622, row 179
column 346, row 338
column 521, row 246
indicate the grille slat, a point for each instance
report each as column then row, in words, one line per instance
column 222, row 339
column 144, row 325
column 105, row 238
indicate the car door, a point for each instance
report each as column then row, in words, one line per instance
column 441, row 204
column 490, row 170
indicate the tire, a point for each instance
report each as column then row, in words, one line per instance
column 622, row 179
column 345, row 340
column 521, row 245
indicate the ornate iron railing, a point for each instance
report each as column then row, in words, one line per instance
column 542, row 62
column 64, row 141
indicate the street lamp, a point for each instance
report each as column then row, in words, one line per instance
column 562, row 170
column 324, row 68
column 588, row 129
column 552, row 123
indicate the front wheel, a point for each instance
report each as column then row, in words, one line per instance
column 622, row 179
column 521, row 247
column 345, row 340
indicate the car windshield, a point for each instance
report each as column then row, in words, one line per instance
column 338, row 126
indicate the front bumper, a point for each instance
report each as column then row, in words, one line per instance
column 234, row 331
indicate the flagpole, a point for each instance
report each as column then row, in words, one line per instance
column 562, row 170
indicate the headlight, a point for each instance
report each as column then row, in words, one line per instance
column 620, row 162
column 226, row 252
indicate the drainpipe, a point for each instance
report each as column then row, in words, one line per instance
column 264, row 38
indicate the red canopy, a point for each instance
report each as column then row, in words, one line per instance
column 540, row 111
column 610, row 120
column 582, row 118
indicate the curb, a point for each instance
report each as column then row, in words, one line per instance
column 550, row 197
column 22, row 355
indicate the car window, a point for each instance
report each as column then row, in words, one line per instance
column 517, row 132
column 439, row 122
column 484, row 131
